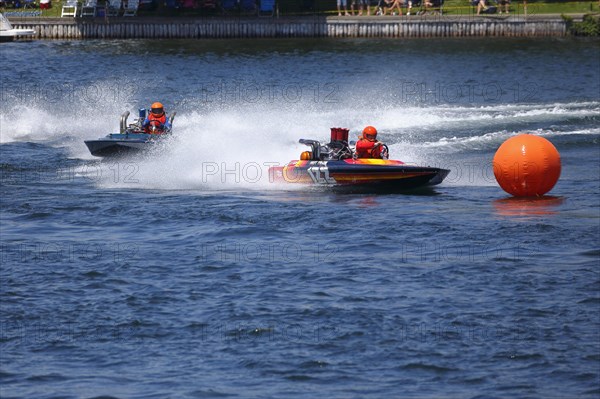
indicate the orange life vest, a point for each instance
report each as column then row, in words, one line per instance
column 153, row 120
column 367, row 149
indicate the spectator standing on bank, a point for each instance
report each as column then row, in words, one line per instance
column 342, row 3
column 506, row 4
column 362, row 5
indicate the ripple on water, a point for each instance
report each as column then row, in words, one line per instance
column 51, row 377
column 434, row 368
column 210, row 393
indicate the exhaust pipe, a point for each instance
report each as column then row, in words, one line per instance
column 123, row 125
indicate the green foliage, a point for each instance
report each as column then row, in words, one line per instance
column 328, row 7
column 590, row 26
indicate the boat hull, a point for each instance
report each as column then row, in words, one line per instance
column 359, row 174
column 121, row 144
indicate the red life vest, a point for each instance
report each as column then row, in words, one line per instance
column 366, row 149
column 154, row 120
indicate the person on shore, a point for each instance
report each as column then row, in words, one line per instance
column 156, row 122
column 362, row 5
column 343, row 3
column 506, row 4
column 45, row 4
column 367, row 145
column 481, row 6
column 390, row 5
column 384, row 5
column 409, row 6
column 427, row 4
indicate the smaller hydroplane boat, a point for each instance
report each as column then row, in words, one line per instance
column 130, row 139
column 336, row 165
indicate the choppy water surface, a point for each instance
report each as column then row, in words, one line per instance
column 186, row 273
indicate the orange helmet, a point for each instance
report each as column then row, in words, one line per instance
column 370, row 133
column 157, row 109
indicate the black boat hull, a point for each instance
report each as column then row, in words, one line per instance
column 360, row 175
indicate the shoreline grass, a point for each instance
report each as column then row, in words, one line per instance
column 451, row 7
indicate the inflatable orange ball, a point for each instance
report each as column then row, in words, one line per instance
column 527, row 165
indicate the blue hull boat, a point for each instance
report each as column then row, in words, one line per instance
column 122, row 144
column 131, row 139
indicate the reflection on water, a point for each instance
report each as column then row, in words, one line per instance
column 369, row 202
column 528, row 206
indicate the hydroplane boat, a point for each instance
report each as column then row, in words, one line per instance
column 131, row 138
column 336, row 165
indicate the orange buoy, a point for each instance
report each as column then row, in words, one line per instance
column 527, row 165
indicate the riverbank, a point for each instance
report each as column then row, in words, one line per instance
column 290, row 27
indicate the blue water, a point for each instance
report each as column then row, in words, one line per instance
column 185, row 273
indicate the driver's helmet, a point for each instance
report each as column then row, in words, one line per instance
column 370, row 133
column 157, row 109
